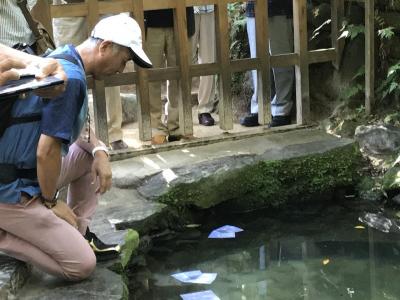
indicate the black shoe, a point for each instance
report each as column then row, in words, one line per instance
column 101, row 250
column 174, row 137
column 206, row 119
column 249, row 120
column 280, row 121
column 118, row 145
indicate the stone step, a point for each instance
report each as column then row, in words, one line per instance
column 13, row 275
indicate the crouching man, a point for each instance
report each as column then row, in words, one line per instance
column 47, row 145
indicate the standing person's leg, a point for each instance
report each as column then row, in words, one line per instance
column 114, row 118
column 207, row 54
column 34, row 234
column 252, row 118
column 173, row 105
column 155, row 44
column 69, row 31
column 281, row 41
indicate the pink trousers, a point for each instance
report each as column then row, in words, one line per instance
column 33, row 233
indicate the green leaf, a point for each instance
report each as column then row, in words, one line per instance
column 386, row 33
column 130, row 245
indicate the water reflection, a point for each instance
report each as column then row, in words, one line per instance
column 318, row 256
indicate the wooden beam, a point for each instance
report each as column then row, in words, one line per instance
column 263, row 69
column 115, row 7
column 223, row 58
column 302, row 72
column 183, row 58
column 142, row 87
column 69, row 10
column 369, row 55
column 321, row 55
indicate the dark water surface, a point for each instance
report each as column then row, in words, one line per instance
column 300, row 253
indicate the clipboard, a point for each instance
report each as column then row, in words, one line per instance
column 27, row 84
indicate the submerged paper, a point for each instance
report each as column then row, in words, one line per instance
column 195, row 277
column 204, row 295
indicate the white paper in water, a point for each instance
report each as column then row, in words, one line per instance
column 204, row 295
column 225, row 232
column 195, row 277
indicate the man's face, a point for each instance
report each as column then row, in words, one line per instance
column 109, row 61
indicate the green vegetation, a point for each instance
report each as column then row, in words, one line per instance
column 271, row 183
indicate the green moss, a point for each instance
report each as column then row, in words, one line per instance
column 271, row 183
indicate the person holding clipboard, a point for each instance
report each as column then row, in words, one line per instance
column 56, row 148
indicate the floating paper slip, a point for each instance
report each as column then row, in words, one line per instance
column 205, row 295
column 215, row 234
column 225, row 232
column 195, row 277
column 205, row 278
column 186, row 276
column 230, row 228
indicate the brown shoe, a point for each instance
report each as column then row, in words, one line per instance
column 158, row 139
column 118, row 145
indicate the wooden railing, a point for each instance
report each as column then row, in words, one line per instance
column 223, row 67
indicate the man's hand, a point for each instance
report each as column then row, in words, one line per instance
column 6, row 69
column 62, row 211
column 101, row 168
column 47, row 67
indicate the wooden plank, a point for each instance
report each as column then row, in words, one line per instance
column 263, row 69
column 369, row 55
column 127, row 78
column 100, row 110
column 337, row 12
column 115, row 7
column 284, row 60
column 245, row 64
column 163, row 74
column 200, row 2
column 159, row 4
column 203, row 69
column 302, row 72
column 223, row 58
column 142, row 88
column 183, row 58
column 321, row 55
column 69, row 10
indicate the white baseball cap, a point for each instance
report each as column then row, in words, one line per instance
column 125, row 31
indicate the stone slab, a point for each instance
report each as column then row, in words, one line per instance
column 102, row 285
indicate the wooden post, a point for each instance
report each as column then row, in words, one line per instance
column 369, row 55
column 100, row 110
column 99, row 95
column 337, row 12
column 224, row 78
column 263, row 72
column 302, row 72
column 142, row 87
column 184, row 82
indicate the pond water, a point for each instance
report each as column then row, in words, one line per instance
column 301, row 253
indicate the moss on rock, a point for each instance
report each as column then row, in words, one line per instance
column 271, row 183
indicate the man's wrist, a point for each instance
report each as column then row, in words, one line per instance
column 49, row 203
column 100, row 148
